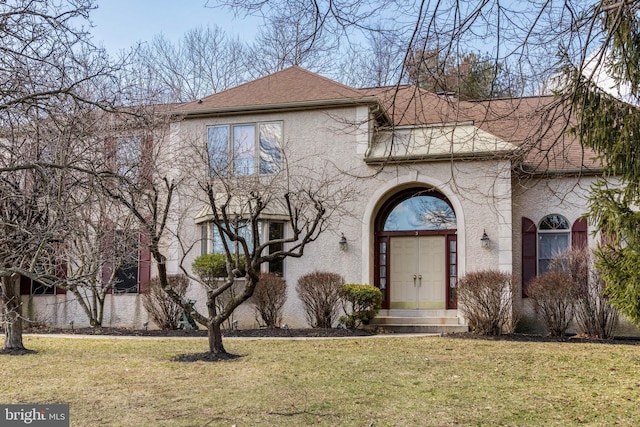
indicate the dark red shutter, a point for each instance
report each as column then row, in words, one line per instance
column 25, row 285
column 529, row 253
column 579, row 234
column 144, row 262
column 61, row 273
column 146, row 157
column 108, row 252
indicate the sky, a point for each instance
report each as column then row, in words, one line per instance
column 120, row 24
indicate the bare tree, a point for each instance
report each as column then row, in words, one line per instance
column 203, row 62
column 376, row 63
column 303, row 199
column 100, row 253
column 51, row 75
column 282, row 43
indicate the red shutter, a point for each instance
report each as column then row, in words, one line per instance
column 108, row 252
column 144, row 262
column 146, row 157
column 529, row 253
column 25, row 285
column 579, row 234
column 61, row 273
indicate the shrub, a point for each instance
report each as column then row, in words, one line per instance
column 320, row 295
column 212, row 270
column 268, row 299
column 161, row 308
column 486, row 300
column 593, row 313
column 362, row 302
column 553, row 296
column 211, row 267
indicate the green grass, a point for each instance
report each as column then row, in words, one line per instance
column 355, row 382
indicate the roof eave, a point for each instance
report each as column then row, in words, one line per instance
column 279, row 107
column 496, row 155
column 524, row 170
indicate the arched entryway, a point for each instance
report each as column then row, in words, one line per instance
column 416, row 251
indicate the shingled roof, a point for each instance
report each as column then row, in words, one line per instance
column 536, row 125
column 291, row 88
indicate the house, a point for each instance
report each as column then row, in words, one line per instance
column 440, row 188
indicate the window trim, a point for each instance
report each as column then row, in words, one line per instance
column 565, row 231
column 207, row 244
column 529, row 256
column 230, row 156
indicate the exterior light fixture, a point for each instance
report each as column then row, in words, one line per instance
column 484, row 240
column 343, row 243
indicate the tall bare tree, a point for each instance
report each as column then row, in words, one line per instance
column 281, row 43
column 203, row 62
column 50, row 73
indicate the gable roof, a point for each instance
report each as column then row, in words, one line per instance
column 291, row 88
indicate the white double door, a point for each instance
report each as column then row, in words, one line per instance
column 418, row 272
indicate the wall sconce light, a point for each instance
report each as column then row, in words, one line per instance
column 484, row 240
column 343, row 243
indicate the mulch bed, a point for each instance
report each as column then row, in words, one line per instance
column 249, row 333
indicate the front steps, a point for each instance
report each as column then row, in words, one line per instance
column 418, row 321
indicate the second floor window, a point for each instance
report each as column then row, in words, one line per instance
column 245, row 149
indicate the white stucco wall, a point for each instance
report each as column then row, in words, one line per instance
column 535, row 199
column 330, row 145
column 120, row 311
column 334, row 143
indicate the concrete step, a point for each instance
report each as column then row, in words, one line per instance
column 418, row 321
column 392, row 320
column 418, row 313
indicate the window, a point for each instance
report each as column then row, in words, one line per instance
column 35, row 287
column 540, row 244
column 212, row 241
column 421, row 212
column 245, row 149
column 126, row 255
column 553, row 238
column 129, row 156
column 276, row 232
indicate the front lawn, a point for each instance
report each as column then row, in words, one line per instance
column 388, row 381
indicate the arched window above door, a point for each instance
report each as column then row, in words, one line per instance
column 420, row 212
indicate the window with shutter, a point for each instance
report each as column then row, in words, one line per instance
column 529, row 253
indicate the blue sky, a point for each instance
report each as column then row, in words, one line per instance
column 119, row 24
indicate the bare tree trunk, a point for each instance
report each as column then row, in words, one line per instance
column 88, row 310
column 213, row 327
column 12, row 315
column 215, row 338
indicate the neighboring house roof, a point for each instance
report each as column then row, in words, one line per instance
column 291, row 88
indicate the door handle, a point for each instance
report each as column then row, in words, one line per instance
column 414, row 280
column 420, row 280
